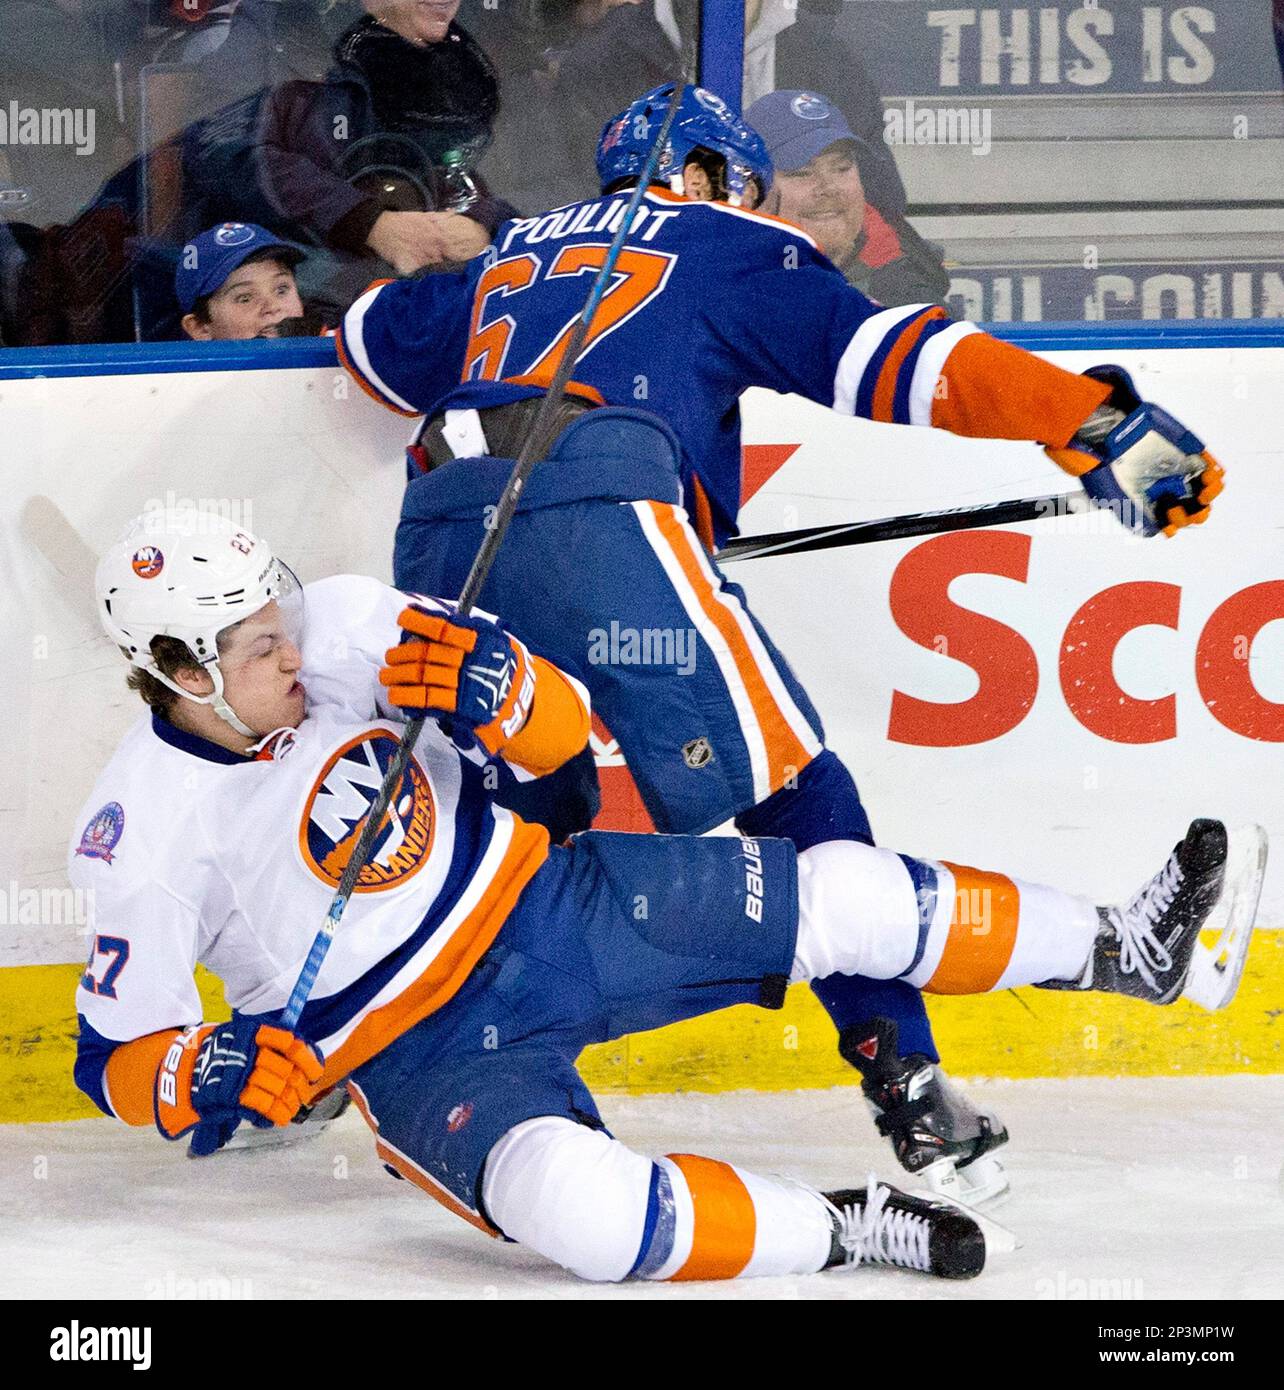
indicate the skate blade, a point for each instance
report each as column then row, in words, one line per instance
column 1216, row 969
column 248, row 1139
column 983, row 1181
column 999, row 1239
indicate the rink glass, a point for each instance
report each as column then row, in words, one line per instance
column 1036, row 161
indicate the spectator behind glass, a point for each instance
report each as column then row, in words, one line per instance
column 630, row 47
column 818, row 186
column 375, row 165
column 274, row 41
column 63, row 263
column 237, row 281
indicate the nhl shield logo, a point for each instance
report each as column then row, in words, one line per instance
column 335, row 809
column 614, row 135
column 698, row 753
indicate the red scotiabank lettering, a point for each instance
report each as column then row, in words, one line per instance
column 1008, row 669
column 1221, row 662
column 1002, row 658
column 1088, row 682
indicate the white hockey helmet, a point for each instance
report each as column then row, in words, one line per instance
column 189, row 573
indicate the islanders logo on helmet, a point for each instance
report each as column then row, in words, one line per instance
column 148, row 562
column 102, row 834
column 335, row 809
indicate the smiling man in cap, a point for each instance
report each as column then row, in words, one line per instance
column 819, row 188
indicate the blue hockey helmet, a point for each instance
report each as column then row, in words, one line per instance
column 703, row 122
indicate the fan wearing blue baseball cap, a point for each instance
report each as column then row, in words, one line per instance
column 819, row 187
column 236, row 280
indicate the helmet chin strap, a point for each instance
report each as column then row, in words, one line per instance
column 215, row 699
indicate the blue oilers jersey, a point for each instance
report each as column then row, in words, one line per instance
column 706, row 300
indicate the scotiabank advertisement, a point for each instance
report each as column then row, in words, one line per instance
column 1058, row 697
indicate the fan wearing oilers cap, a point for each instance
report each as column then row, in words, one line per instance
column 236, row 280
column 475, row 961
column 819, row 186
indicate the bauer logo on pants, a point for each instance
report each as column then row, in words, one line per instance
column 335, row 810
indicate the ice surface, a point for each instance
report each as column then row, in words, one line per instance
column 1138, row 1188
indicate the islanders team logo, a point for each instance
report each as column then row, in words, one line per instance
column 335, row 810
column 459, row 1116
column 148, row 562
column 102, row 834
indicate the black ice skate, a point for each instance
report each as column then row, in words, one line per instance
column 935, row 1131
column 882, row 1225
column 1149, row 947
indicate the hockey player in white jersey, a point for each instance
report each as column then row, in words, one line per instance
column 475, row 961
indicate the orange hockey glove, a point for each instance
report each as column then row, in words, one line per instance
column 468, row 670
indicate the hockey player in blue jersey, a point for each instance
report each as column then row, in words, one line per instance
column 615, row 530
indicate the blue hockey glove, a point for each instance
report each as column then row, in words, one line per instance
column 1140, row 462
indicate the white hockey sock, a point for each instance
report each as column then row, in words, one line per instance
column 944, row 928
column 602, row 1211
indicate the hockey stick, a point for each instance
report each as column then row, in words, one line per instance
column 536, row 445
column 44, row 526
column 893, row 528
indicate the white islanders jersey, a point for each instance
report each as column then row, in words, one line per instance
column 194, row 853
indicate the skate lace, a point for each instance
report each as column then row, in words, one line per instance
column 1139, row 949
column 879, row 1234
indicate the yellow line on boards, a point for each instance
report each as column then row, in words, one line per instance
column 1031, row 1034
